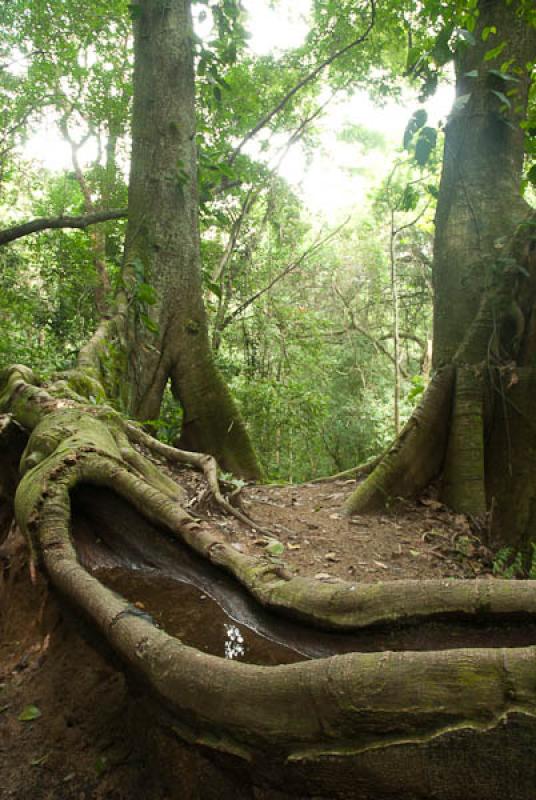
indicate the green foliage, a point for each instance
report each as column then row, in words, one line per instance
column 420, row 139
column 302, row 359
column 48, row 282
column 418, row 385
column 305, row 344
column 275, row 548
column 510, row 564
column 359, row 134
column 169, row 423
column 142, row 297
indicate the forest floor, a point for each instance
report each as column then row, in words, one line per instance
column 77, row 745
column 419, row 540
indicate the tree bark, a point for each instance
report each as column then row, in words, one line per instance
column 484, row 275
column 479, row 196
column 166, row 333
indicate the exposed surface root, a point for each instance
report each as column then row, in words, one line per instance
column 206, row 463
column 409, row 708
column 354, row 472
column 76, row 445
column 417, row 455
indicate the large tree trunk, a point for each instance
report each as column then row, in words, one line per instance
column 484, row 281
column 162, row 324
column 479, row 197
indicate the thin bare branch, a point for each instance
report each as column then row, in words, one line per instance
column 247, row 205
column 205, row 463
column 302, row 83
column 286, row 271
column 355, row 326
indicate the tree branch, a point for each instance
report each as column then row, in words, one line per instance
column 288, row 269
column 410, row 336
column 375, row 342
column 303, row 82
column 355, row 326
column 295, row 136
column 49, row 223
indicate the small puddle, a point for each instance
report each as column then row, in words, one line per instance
column 184, row 611
column 205, row 608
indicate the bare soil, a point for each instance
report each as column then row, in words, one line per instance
column 79, row 747
column 419, row 540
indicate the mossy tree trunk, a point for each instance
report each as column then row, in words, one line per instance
column 161, row 324
column 484, row 272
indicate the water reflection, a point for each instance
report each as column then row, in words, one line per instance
column 234, row 643
column 193, row 617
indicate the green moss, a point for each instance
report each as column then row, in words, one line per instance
column 474, row 677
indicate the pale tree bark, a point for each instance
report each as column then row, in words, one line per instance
column 396, row 322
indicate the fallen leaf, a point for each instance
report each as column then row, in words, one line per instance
column 322, row 576
column 331, row 557
column 275, row 548
column 433, row 504
column 29, row 713
column 37, row 762
column 514, row 379
column 294, row 546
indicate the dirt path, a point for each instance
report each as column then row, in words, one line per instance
column 419, row 541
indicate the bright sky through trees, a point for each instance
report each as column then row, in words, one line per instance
column 277, row 29
column 338, row 175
